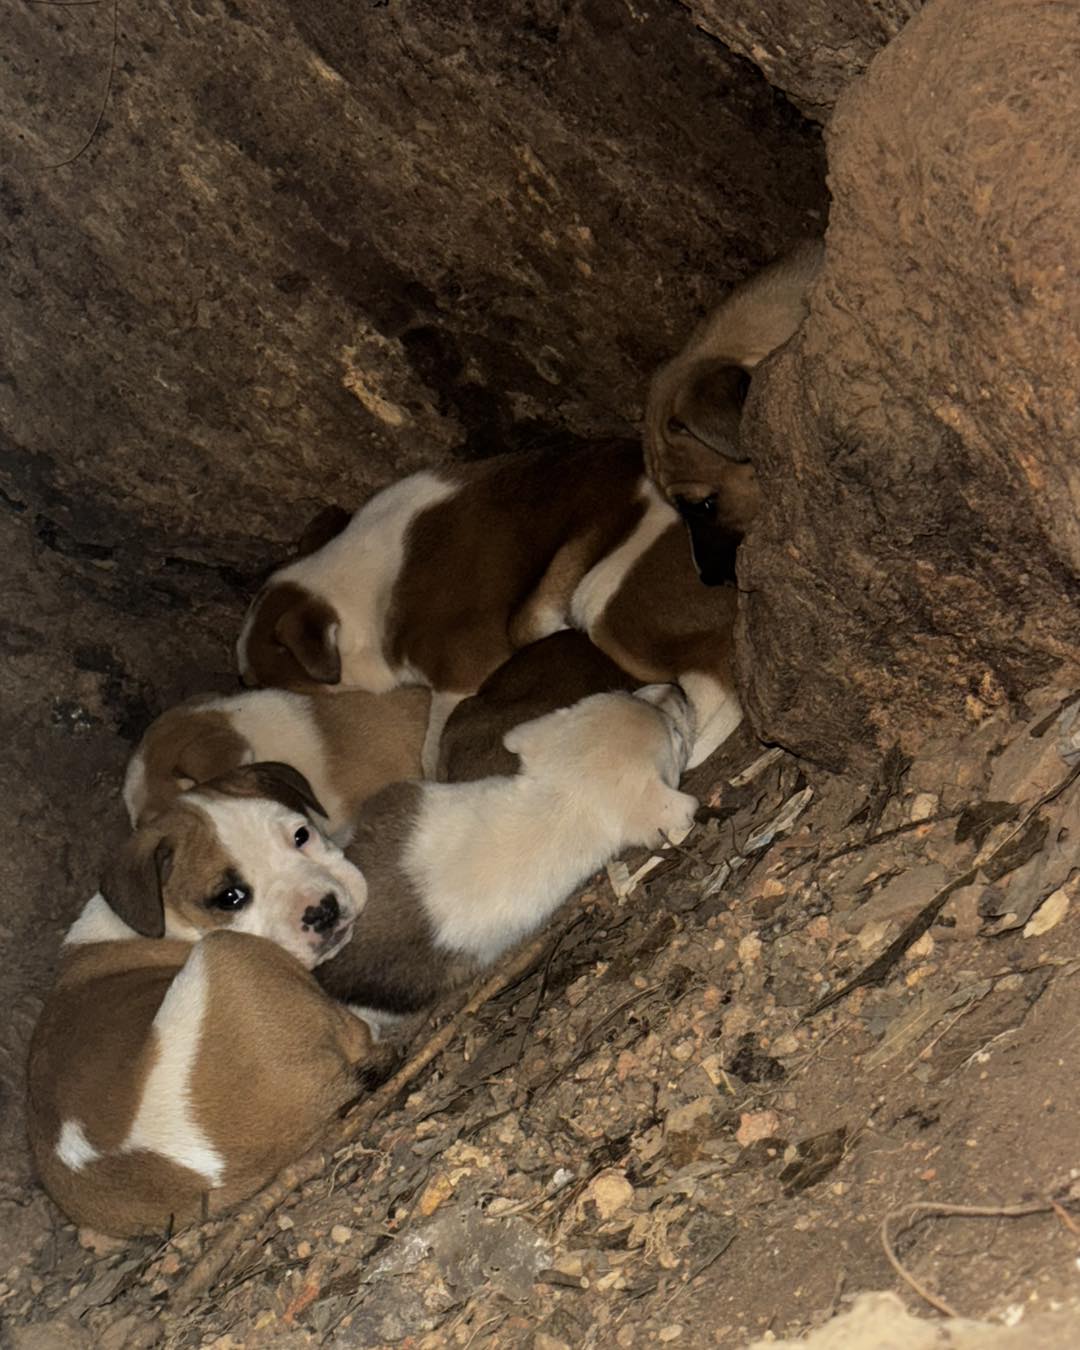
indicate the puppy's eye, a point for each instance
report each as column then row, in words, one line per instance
column 302, row 835
column 231, row 898
column 677, row 428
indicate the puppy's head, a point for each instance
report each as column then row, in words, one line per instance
column 240, row 852
column 289, row 639
column 678, row 723
column 619, row 756
column 692, row 419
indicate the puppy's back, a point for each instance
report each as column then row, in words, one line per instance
column 552, row 673
column 166, row 1081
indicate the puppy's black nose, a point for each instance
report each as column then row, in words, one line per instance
column 323, row 916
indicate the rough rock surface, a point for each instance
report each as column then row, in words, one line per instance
column 313, row 246
column 811, row 49
column 918, row 559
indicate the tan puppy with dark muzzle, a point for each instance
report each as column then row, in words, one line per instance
column 694, row 408
column 347, row 747
column 174, row 1075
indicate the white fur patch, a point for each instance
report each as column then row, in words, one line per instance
column 98, row 922
column 165, row 1122
column 600, row 583
column 355, row 573
column 134, row 790
column 258, row 835
column 73, row 1148
column 717, row 712
column 492, row 860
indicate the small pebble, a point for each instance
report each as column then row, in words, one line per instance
column 340, row 1234
column 303, row 1250
column 672, row 1332
column 284, row 1223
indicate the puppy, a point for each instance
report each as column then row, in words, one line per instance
column 458, row 873
column 171, row 1078
column 553, row 673
column 694, row 407
column 440, row 576
column 346, row 747
column 505, row 557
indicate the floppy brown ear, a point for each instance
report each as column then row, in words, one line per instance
column 309, row 630
column 327, row 525
column 210, row 755
column 134, row 880
column 280, row 782
column 710, row 405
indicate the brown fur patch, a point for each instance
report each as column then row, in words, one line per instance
column 546, row 675
column 186, row 745
column 663, row 623
column 523, row 529
column 370, row 740
column 390, row 962
column 289, row 646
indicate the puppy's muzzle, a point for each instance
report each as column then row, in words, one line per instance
column 323, row 917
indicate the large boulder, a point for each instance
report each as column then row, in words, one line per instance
column 919, row 441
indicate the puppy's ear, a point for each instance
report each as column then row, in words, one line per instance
column 280, row 782
column 709, row 406
column 209, row 756
column 135, row 878
column 309, row 630
column 327, row 525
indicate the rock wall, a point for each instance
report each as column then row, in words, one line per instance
column 918, row 560
column 811, row 49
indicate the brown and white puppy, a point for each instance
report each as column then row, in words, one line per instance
column 441, row 575
column 172, row 1077
column 644, row 606
column 544, row 676
column 347, row 747
column 694, row 408
column 443, row 593
column 458, row 873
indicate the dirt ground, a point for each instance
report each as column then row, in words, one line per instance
column 659, row 1134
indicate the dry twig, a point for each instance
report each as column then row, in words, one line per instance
column 249, row 1219
column 925, row 1209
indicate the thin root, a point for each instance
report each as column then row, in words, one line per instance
column 925, row 1209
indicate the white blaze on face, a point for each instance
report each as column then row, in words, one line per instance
column 285, row 879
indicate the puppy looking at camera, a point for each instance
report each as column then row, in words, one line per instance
column 458, row 873
column 694, row 407
column 185, row 1053
column 347, row 747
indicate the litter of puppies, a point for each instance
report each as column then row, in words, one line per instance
column 537, row 633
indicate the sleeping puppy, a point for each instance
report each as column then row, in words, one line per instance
column 458, row 873
column 440, row 576
column 553, row 673
column 172, row 1076
column 346, row 747
column 694, row 408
